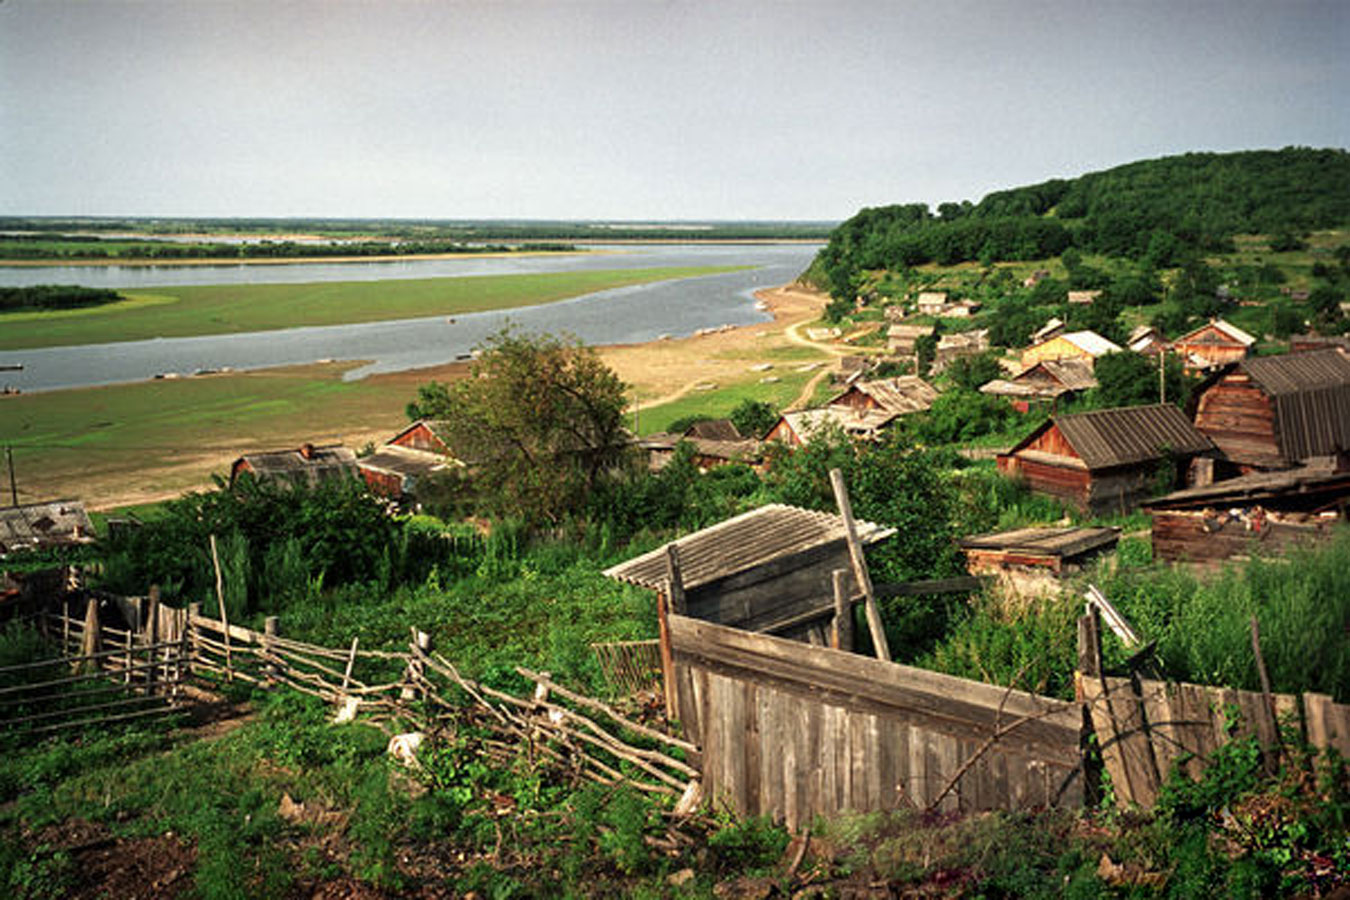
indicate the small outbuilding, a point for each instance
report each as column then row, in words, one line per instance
column 1213, row 344
column 308, row 466
column 1107, row 460
column 1032, row 560
column 901, row 395
column 1264, row 512
column 1273, row 412
column 799, row 428
column 1047, row 380
column 39, row 526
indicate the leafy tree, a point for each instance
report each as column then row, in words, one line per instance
column 961, row 415
column 539, row 422
column 970, row 372
column 753, row 418
column 1131, row 379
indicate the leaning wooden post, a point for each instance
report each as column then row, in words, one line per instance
column 224, row 619
column 1266, row 694
column 1089, row 650
column 190, row 643
column 351, row 661
column 413, row 678
column 841, row 635
column 668, row 602
column 855, row 552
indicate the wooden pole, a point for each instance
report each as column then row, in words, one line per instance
column 351, row 661
column 13, row 485
column 855, row 552
column 152, row 632
column 1266, row 694
column 224, row 619
column 269, row 632
column 89, row 644
column 670, row 602
column 841, row 636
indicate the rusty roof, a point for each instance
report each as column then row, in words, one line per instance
column 1119, row 437
column 742, row 543
column 308, row 465
column 1061, row 542
column 52, row 523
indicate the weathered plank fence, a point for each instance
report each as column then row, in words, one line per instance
column 793, row 731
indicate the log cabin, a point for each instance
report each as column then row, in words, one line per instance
column 417, row 453
column 1107, row 460
column 901, row 395
column 1272, row 412
column 308, row 466
column 1213, row 344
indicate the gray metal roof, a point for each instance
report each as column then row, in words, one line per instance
column 308, row 465
column 1117, row 437
column 404, row 461
column 742, row 543
column 53, row 523
column 1311, row 393
column 1322, row 473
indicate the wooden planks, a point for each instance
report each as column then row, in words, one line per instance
column 792, row 731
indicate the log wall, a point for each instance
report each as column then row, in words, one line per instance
column 1240, row 419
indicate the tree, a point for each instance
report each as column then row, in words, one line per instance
column 1131, row 379
column 753, row 418
column 971, row 372
column 539, row 423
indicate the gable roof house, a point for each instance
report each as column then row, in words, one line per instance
column 1147, row 340
column 306, row 466
column 1084, row 345
column 1273, row 412
column 900, row 338
column 36, row 526
column 716, row 442
column 901, row 395
column 1106, row 460
column 798, row 428
column 951, row 347
column 931, row 303
column 1052, row 328
column 1049, row 379
column 1213, row 344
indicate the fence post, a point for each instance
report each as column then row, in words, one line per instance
column 270, row 625
column 152, row 636
column 194, row 612
column 841, row 637
column 90, row 643
column 420, row 647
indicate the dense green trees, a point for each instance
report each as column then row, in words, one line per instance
column 54, row 296
column 539, row 423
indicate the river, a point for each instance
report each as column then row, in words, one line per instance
column 624, row 315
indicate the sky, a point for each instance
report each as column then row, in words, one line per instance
column 643, row 110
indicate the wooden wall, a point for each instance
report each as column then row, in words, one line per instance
column 793, row 731
column 1240, row 418
column 1193, row 535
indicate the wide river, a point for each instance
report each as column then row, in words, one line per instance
column 624, row 315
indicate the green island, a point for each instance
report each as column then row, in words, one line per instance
column 230, row 309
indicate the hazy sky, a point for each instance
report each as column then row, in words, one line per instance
column 634, row 109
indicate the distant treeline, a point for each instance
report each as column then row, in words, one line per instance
column 54, row 296
column 1154, row 211
column 87, row 247
column 431, row 229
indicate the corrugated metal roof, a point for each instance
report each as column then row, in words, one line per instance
column 1044, row 541
column 52, row 523
column 742, row 543
column 1117, row 437
column 1091, row 342
column 1311, row 393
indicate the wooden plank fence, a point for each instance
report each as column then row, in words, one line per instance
column 794, row 731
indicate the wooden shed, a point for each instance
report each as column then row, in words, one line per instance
column 1106, row 460
column 901, row 395
column 1272, row 412
column 37, row 526
column 425, row 434
column 901, row 338
column 307, row 466
column 799, row 428
column 1082, row 345
column 1033, row 559
column 1264, row 512
column 768, row 570
column 1215, row 343
column 716, row 442
column 1049, row 379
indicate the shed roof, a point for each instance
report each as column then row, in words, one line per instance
column 900, row 395
column 1319, row 474
column 1118, row 437
column 909, row 331
column 1073, row 374
column 852, row 421
column 714, row 430
column 51, row 523
column 406, row 462
column 1050, row 329
column 1060, row 542
column 745, row 542
column 308, row 464
column 1225, row 329
column 1091, row 342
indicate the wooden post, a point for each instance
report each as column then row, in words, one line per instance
column 420, row 647
column 855, row 552
column 194, row 612
column 668, row 602
column 1266, row 694
column 269, row 664
column 152, row 637
column 224, row 619
column 676, row 580
column 351, row 661
column 841, row 636
column 1089, row 650
column 90, row 643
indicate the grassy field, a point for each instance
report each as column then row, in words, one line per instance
column 226, row 309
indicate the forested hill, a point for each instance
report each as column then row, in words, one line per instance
column 1149, row 211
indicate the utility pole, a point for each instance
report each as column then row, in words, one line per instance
column 13, row 485
column 1162, row 380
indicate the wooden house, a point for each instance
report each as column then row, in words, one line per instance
column 429, row 435
column 1054, row 327
column 1106, row 460
column 768, row 570
column 411, row 457
column 1083, row 298
column 38, row 526
column 307, row 466
column 1047, row 380
column 900, row 339
column 951, row 347
column 1272, row 412
column 1147, row 340
column 931, row 303
column 1084, row 345
column 901, row 395
column 1032, row 560
column 1263, row 512
column 1306, row 343
column 1214, row 344
column 716, row 442
column 799, row 428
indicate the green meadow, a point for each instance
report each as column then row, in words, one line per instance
column 227, row 309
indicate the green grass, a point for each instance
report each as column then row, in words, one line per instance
column 226, row 309
column 721, row 402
